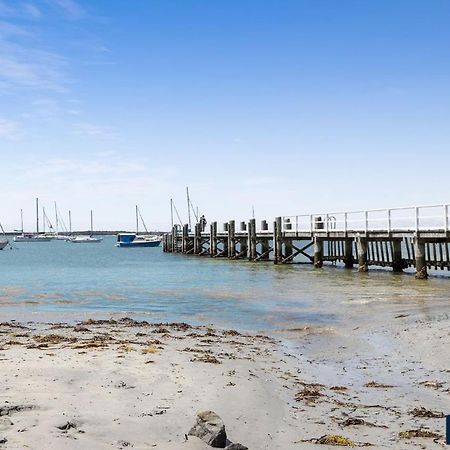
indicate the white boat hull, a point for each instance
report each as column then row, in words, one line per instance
column 85, row 240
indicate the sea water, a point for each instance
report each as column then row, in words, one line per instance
column 61, row 281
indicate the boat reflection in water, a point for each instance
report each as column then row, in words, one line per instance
column 28, row 237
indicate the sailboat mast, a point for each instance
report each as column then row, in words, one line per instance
column 171, row 212
column 43, row 219
column 188, row 206
column 37, row 215
column 56, row 219
column 92, row 224
column 70, row 222
column 21, row 219
column 137, row 221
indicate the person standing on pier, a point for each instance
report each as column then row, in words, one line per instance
column 203, row 222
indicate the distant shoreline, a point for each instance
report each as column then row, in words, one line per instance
column 87, row 232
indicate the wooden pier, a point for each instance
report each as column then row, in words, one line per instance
column 399, row 238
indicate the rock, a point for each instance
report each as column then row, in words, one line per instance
column 210, row 429
column 11, row 409
column 236, row 447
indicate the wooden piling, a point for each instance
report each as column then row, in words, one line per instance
column 174, row 239
column 231, row 240
column 348, row 253
column 288, row 249
column 397, row 260
column 252, row 254
column 362, row 254
column 318, row 252
column 265, row 247
column 213, row 239
column 277, row 241
column 421, row 265
column 185, row 238
column 197, row 239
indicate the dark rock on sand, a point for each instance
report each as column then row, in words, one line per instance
column 7, row 410
column 236, row 447
column 210, row 429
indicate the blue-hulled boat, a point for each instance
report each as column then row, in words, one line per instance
column 134, row 240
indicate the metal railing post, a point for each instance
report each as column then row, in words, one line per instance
column 326, row 219
column 389, row 220
column 417, row 218
column 366, row 220
column 446, row 218
column 345, row 222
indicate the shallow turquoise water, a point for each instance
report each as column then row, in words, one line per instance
column 62, row 281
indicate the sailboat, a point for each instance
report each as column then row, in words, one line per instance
column 136, row 239
column 64, row 235
column 3, row 241
column 86, row 239
column 30, row 237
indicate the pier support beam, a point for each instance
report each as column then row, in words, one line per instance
column 264, row 250
column 264, row 242
column 348, row 253
column 421, row 264
column 213, row 240
column 288, row 249
column 361, row 244
column 252, row 240
column 198, row 239
column 318, row 252
column 174, row 239
column 397, row 261
column 185, row 239
column 277, row 241
column 231, row 240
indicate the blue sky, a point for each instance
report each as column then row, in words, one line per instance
column 290, row 106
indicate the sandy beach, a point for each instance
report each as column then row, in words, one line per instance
column 130, row 384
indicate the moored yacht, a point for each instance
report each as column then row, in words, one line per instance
column 32, row 237
column 136, row 239
column 82, row 239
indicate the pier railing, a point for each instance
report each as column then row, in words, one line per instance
column 405, row 219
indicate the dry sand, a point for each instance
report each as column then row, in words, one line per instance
column 126, row 384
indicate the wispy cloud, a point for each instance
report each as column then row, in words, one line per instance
column 94, row 130
column 22, row 67
column 6, row 10
column 70, row 8
column 32, row 10
column 8, row 129
column 9, row 30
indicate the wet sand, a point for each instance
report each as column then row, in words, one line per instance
column 129, row 384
